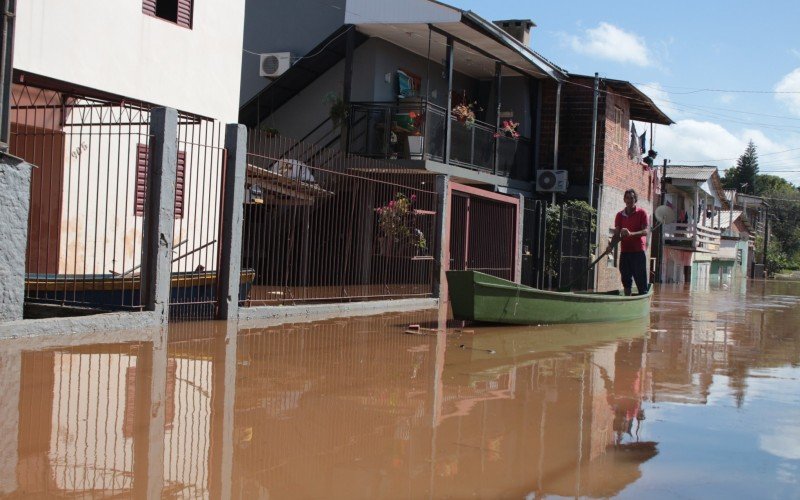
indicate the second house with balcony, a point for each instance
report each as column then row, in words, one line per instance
column 693, row 240
column 426, row 85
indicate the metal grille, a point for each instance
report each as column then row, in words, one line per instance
column 321, row 226
column 534, row 233
column 483, row 233
column 574, row 245
column 83, row 230
column 198, row 210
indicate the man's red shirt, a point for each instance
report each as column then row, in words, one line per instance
column 633, row 222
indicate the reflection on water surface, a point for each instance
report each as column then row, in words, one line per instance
column 701, row 401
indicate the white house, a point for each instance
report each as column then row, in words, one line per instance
column 86, row 74
column 690, row 243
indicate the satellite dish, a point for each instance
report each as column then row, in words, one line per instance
column 665, row 215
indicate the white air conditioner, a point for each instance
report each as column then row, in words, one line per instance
column 274, row 64
column 552, row 181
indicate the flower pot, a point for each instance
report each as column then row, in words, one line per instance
column 415, row 146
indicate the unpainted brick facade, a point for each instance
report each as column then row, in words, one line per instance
column 615, row 170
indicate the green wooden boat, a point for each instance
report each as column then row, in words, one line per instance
column 476, row 296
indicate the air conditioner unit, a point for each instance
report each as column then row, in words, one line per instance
column 274, row 64
column 552, row 181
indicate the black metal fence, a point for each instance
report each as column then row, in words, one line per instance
column 574, row 246
column 534, row 234
column 416, row 130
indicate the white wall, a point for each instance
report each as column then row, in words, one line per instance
column 110, row 45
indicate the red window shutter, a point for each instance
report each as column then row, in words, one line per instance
column 180, row 182
column 142, row 160
column 149, row 7
column 185, row 13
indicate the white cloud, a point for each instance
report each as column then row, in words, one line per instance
column 660, row 97
column 790, row 83
column 607, row 41
column 694, row 142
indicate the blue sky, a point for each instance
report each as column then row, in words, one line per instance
column 747, row 52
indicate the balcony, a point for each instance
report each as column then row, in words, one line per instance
column 416, row 131
column 692, row 237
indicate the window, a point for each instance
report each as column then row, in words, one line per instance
column 619, row 133
column 176, row 11
column 142, row 162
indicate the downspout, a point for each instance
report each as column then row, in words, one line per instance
column 558, row 125
column 594, row 139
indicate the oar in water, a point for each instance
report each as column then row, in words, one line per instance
column 664, row 215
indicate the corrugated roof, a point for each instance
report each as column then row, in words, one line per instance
column 700, row 173
column 726, row 218
column 730, row 194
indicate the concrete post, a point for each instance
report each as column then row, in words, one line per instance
column 15, row 190
column 519, row 240
column 230, row 265
column 159, row 217
column 443, row 235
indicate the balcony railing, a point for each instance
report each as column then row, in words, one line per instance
column 416, row 131
column 692, row 237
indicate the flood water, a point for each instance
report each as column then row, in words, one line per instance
column 701, row 401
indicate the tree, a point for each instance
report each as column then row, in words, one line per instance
column 742, row 177
column 766, row 183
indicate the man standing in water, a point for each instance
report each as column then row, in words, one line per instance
column 630, row 228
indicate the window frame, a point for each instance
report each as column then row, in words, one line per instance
column 184, row 12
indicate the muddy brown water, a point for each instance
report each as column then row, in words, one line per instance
column 701, row 401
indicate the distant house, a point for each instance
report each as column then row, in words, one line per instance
column 86, row 75
column 749, row 225
column 736, row 247
column 690, row 244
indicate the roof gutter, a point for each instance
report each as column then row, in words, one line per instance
column 548, row 68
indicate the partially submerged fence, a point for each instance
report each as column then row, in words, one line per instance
column 324, row 227
column 89, row 196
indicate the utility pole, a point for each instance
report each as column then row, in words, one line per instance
column 594, row 139
column 660, row 255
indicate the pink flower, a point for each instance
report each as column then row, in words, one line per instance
column 392, row 204
column 413, row 197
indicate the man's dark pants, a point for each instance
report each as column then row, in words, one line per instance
column 633, row 266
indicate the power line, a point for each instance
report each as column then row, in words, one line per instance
column 692, row 90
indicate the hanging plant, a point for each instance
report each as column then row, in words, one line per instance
column 337, row 109
column 465, row 113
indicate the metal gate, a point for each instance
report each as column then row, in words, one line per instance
column 574, row 245
column 534, row 233
column 483, row 232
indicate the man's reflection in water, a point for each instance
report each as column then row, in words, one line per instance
column 624, row 393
